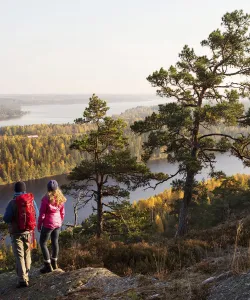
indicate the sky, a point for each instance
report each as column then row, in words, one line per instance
column 98, row 46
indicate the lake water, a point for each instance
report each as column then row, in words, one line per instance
column 66, row 113
column 229, row 165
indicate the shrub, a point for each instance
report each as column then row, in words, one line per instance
column 7, row 260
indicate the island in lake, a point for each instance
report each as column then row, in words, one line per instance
column 10, row 109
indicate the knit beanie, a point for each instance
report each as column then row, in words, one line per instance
column 20, row 187
column 52, row 185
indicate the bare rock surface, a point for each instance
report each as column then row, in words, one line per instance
column 233, row 288
column 87, row 283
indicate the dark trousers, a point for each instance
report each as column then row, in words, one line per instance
column 46, row 234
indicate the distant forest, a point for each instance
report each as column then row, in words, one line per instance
column 36, row 151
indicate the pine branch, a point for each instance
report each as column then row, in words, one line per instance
column 219, row 134
column 243, row 71
column 209, row 160
column 166, row 179
column 214, row 150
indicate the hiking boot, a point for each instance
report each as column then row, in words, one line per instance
column 47, row 268
column 22, row 284
column 54, row 263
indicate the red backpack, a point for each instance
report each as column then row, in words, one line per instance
column 26, row 214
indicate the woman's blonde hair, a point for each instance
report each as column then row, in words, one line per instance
column 56, row 197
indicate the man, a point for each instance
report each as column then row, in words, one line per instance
column 21, row 215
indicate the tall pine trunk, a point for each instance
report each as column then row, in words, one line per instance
column 183, row 215
column 99, row 230
column 191, row 172
column 75, row 216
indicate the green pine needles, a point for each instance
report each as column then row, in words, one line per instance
column 203, row 91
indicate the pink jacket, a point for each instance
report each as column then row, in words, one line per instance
column 50, row 216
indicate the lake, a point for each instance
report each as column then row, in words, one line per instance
column 230, row 165
column 66, row 113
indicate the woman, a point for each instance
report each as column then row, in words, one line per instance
column 50, row 220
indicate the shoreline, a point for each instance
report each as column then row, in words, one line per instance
column 65, row 174
column 34, row 179
column 23, row 113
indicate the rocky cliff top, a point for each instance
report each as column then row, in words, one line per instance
column 100, row 283
column 87, row 283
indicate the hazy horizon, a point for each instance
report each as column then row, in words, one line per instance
column 107, row 47
column 77, row 94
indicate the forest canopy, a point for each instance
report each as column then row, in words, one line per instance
column 36, row 151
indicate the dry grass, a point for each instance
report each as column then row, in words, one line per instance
column 184, row 263
column 143, row 258
column 213, row 251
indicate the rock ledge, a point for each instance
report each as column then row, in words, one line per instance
column 87, row 283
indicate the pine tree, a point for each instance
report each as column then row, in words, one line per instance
column 204, row 91
column 108, row 164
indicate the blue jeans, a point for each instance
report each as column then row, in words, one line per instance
column 45, row 235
